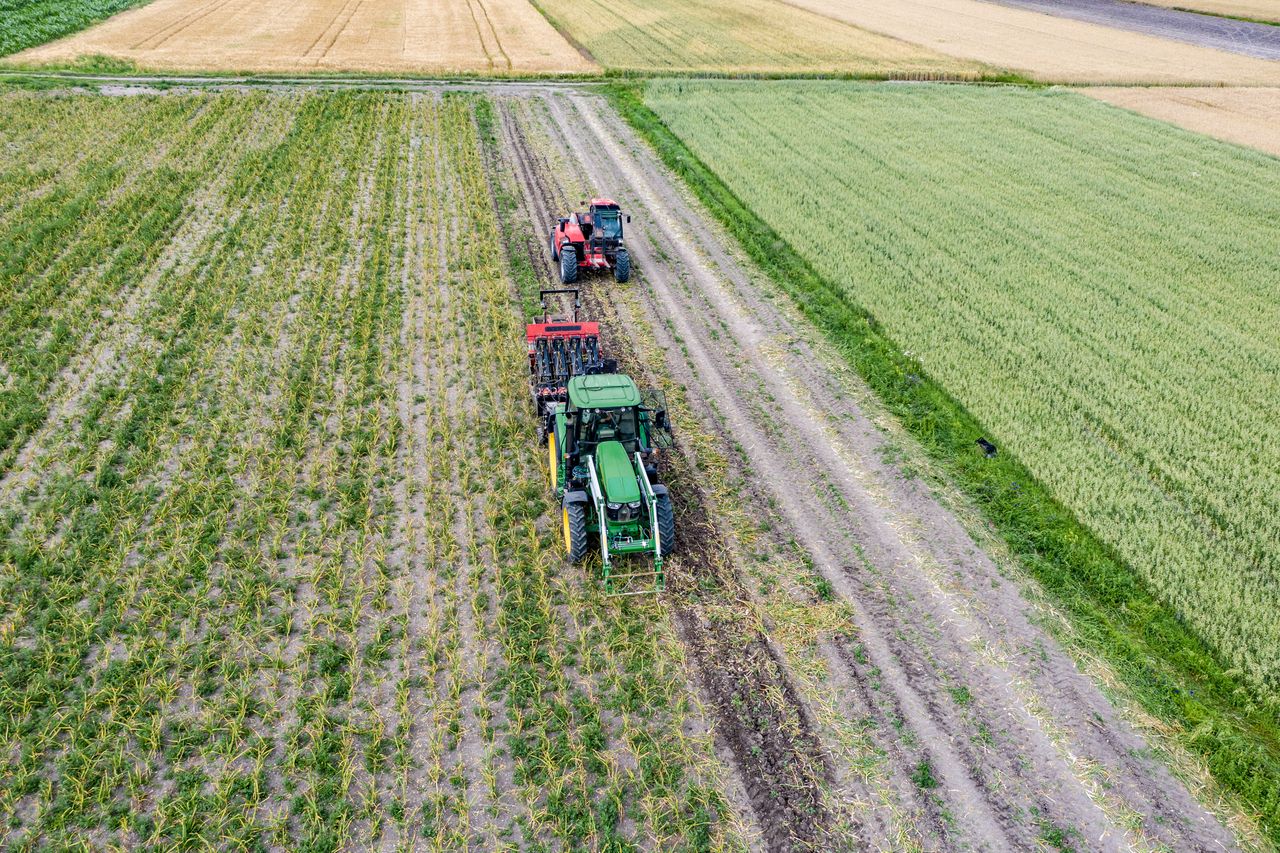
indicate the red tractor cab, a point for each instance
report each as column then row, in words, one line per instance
column 591, row 241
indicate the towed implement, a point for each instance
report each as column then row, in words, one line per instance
column 604, row 443
column 582, row 242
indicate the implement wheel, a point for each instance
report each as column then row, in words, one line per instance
column 666, row 526
column 622, row 267
column 568, row 264
column 575, row 532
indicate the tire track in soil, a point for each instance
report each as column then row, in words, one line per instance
column 475, row 22
column 335, row 26
column 932, row 611
column 183, row 23
column 488, row 19
column 772, row 744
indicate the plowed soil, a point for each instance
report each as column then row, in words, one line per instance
column 1244, row 116
column 395, row 36
column 1046, row 47
column 975, row 729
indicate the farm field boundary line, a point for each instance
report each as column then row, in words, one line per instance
column 378, row 36
column 216, row 82
column 37, row 22
column 53, row 77
column 1248, row 117
column 1164, row 667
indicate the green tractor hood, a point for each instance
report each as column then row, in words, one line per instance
column 617, row 475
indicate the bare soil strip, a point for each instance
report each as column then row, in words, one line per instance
column 1244, row 116
column 992, row 738
column 388, row 36
column 1045, row 47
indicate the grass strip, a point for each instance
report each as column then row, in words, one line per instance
column 1169, row 670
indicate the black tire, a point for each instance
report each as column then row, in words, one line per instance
column 568, row 265
column 622, row 267
column 666, row 526
column 575, row 532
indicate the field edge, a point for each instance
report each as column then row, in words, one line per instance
column 1163, row 666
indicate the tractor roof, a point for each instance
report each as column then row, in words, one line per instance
column 604, row 202
column 603, row 391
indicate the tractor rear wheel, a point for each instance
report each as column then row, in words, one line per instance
column 666, row 525
column 575, row 532
column 622, row 267
column 568, row 265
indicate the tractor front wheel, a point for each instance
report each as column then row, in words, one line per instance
column 622, row 267
column 666, row 525
column 568, row 264
column 575, row 532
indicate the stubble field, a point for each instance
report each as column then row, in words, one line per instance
column 755, row 36
column 1046, row 47
column 499, row 37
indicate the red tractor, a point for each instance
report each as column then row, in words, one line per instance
column 591, row 241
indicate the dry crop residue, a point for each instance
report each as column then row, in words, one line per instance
column 1240, row 115
column 751, row 36
column 970, row 725
column 1046, row 47
column 391, row 36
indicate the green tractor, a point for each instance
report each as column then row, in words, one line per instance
column 604, row 442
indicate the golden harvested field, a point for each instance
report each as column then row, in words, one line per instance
column 395, row 36
column 1244, row 116
column 1259, row 10
column 1045, row 47
column 752, row 36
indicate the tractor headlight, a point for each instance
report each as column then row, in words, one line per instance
column 614, row 507
column 634, row 506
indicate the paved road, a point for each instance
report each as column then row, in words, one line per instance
column 1258, row 40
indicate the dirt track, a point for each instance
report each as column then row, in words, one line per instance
column 944, row 664
column 391, row 36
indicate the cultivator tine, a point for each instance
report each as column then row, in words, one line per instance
column 633, row 583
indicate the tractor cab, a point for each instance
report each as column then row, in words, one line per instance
column 610, row 408
column 591, row 241
column 606, row 221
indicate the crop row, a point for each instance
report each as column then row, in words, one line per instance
column 274, row 562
